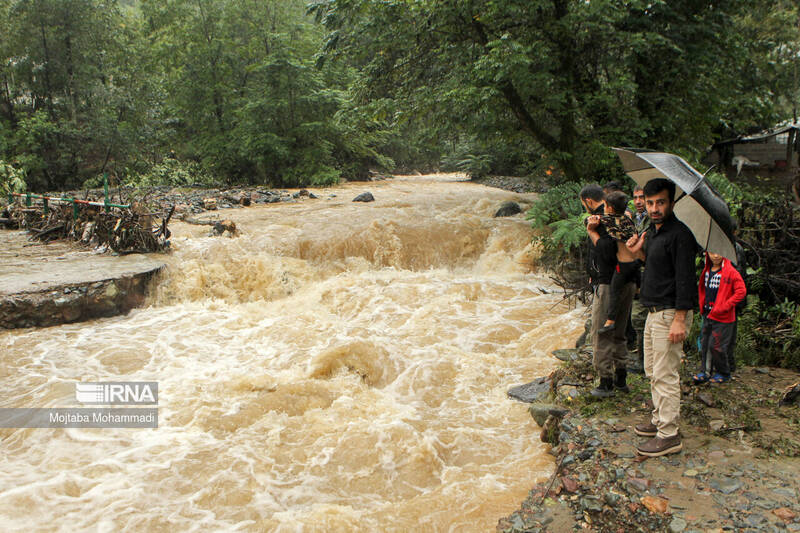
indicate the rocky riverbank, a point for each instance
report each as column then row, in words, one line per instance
column 739, row 469
column 511, row 183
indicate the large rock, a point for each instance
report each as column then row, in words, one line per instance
column 568, row 354
column 508, row 209
column 534, row 391
column 364, row 197
column 540, row 411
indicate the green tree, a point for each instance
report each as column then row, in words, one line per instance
column 243, row 87
column 575, row 76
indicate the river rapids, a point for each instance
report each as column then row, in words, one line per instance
column 337, row 366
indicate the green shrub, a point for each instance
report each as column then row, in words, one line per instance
column 475, row 166
column 12, row 179
column 173, row 173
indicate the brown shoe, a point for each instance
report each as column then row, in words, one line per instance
column 656, row 447
column 645, row 429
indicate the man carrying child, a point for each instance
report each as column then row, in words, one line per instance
column 608, row 233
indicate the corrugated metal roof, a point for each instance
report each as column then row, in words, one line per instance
column 777, row 130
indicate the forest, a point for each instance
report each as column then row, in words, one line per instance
column 292, row 93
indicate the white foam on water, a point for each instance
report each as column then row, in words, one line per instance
column 337, row 367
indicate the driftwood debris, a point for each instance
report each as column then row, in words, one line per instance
column 120, row 229
column 219, row 226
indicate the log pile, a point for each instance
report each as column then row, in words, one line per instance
column 123, row 230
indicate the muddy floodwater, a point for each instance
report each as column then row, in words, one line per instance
column 338, row 366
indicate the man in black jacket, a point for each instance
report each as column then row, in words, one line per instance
column 669, row 293
column 609, row 349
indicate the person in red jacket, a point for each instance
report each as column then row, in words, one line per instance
column 721, row 288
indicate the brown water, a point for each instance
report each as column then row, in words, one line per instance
column 337, row 367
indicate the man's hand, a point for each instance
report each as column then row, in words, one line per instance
column 677, row 331
column 635, row 243
column 592, row 222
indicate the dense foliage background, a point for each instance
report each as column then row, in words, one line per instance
column 283, row 92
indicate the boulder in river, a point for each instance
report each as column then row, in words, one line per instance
column 534, row 391
column 507, row 209
column 364, row 197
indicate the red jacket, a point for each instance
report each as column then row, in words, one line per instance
column 731, row 291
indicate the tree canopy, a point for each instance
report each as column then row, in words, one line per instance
column 284, row 93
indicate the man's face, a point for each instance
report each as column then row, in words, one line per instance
column 659, row 207
column 587, row 204
column 638, row 201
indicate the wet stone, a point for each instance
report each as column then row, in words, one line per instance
column 726, row 485
column 789, row 493
column 563, row 437
column 364, row 197
column 677, row 525
column 585, row 454
column 565, row 355
column 540, row 411
column 534, row 391
column 612, row 498
column 508, row 209
column 591, row 504
column 755, row 520
column 639, row 484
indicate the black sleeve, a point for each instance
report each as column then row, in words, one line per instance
column 606, row 249
column 685, row 280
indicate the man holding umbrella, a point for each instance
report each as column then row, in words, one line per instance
column 668, row 292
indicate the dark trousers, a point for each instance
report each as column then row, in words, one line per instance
column 619, row 297
column 714, row 350
column 732, row 347
column 610, row 352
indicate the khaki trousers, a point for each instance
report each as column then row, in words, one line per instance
column 610, row 349
column 662, row 362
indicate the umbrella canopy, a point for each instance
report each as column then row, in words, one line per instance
column 699, row 206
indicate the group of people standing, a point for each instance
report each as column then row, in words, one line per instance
column 641, row 265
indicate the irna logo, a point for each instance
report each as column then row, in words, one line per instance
column 118, row 393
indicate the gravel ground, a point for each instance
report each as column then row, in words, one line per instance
column 739, row 469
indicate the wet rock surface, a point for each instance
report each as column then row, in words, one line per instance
column 364, row 197
column 531, row 392
column 508, row 209
column 739, row 477
column 512, row 183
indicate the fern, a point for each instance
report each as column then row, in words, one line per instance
column 559, row 203
column 568, row 233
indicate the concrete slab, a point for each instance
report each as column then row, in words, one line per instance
column 49, row 284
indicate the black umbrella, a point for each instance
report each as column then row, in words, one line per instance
column 697, row 204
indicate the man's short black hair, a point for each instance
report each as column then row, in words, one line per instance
column 656, row 185
column 618, row 201
column 612, row 186
column 592, row 191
